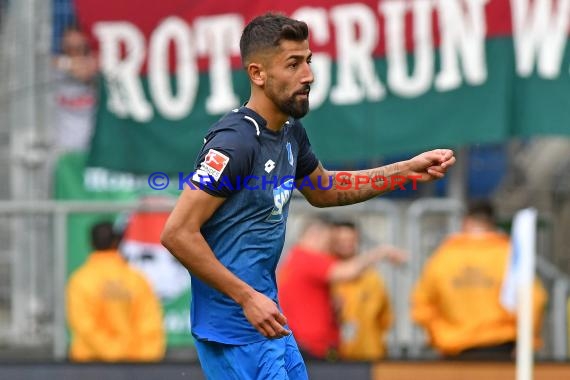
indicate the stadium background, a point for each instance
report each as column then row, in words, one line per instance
column 509, row 131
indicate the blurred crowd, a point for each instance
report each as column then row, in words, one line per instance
column 338, row 307
column 332, row 293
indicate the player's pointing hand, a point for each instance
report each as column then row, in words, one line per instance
column 430, row 165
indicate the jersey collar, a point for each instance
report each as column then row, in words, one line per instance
column 254, row 115
column 260, row 120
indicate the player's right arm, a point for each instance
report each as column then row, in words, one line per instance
column 183, row 238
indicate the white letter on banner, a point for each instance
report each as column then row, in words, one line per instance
column 316, row 19
column 398, row 80
column 356, row 31
column 462, row 34
column 126, row 95
column 218, row 36
column 173, row 107
column 539, row 32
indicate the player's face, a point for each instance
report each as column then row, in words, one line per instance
column 289, row 78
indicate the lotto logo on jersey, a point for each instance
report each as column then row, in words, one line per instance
column 214, row 163
column 281, row 196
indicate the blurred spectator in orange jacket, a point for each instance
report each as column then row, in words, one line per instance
column 364, row 308
column 112, row 311
column 457, row 298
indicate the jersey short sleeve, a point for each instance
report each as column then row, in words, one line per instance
column 307, row 162
column 225, row 159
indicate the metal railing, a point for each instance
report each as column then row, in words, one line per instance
column 60, row 211
column 383, row 214
column 381, row 221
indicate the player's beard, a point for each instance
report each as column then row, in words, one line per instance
column 293, row 105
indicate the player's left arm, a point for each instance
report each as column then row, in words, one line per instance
column 339, row 188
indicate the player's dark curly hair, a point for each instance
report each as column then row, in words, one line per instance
column 267, row 31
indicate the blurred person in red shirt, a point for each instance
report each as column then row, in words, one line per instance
column 305, row 279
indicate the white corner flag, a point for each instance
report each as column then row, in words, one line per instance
column 517, row 289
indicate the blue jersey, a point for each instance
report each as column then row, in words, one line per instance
column 254, row 168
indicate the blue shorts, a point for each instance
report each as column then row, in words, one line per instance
column 277, row 359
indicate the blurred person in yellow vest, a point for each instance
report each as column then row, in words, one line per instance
column 457, row 297
column 112, row 312
column 363, row 304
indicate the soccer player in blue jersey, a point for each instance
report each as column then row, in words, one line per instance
column 228, row 227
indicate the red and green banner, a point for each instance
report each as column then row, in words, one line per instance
column 391, row 76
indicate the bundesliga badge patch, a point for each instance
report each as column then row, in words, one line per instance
column 214, row 163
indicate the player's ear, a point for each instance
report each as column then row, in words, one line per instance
column 256, row 73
